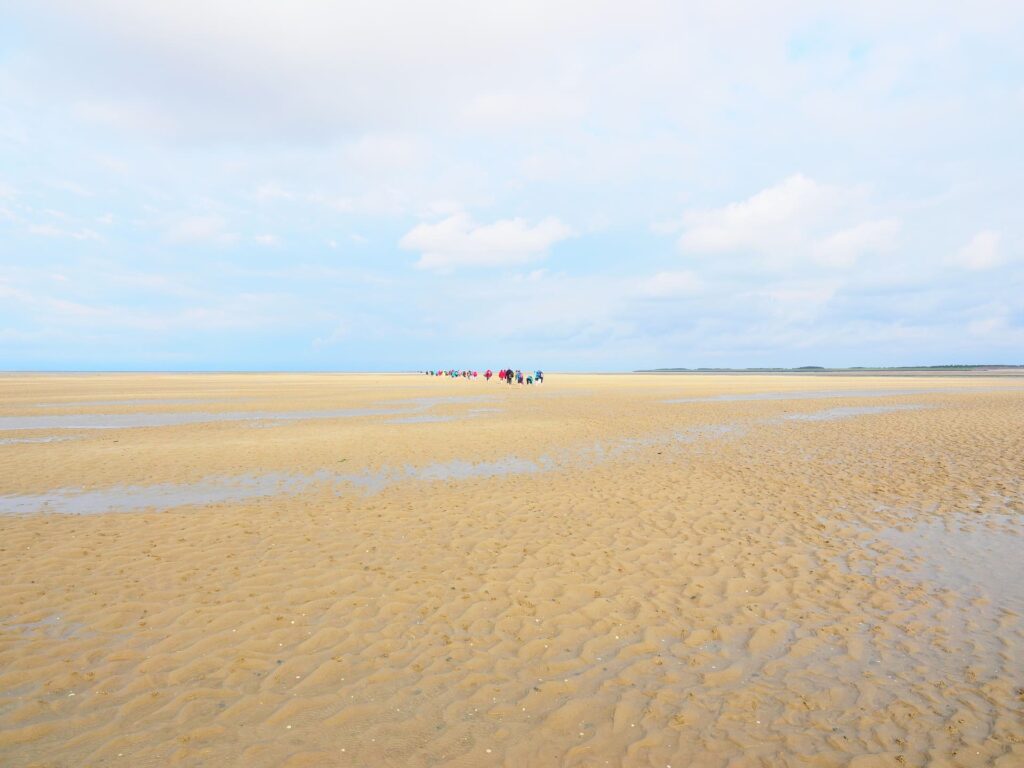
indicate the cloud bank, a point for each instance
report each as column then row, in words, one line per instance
column 592, row 184
column 459, row 242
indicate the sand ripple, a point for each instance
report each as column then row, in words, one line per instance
column 783, row 594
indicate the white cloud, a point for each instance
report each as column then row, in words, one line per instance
column 337, row 204
column 72, row 187
column 459, row 242
column 558, row 308
column 129, row 116
column 775, row 218
column 374, row 200
column 269, row 191
column 377, row 152
column 514, row 109
column 314, row 120
column 314, row 69
column 670, row 285
column 987, row 326
column 793, row 302
column 48, row 230
column 842, row 248
column 444, row 207
column 201, row 229
column 798, row 220
column 981, row 253
column 341, row 332
column 267, row 240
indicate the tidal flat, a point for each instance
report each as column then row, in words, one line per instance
column 406, row 570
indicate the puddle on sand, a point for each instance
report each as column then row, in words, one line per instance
column 424, row 418
column 54, row 627
column 214, row 490
column 127, row 498
column 429, row 402
column 831, row 414
column 976, row 554
column 132, row 420
column 46, row 439
column 464, row 470
column 406, row 408
column 134, row 401
column 826, row 394
column 435, row 418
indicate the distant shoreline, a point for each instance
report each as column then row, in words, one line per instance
column 935, row 370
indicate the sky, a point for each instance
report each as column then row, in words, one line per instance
column 582, row 185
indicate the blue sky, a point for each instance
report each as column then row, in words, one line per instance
column 572, row 186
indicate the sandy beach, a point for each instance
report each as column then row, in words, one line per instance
column 401, row 570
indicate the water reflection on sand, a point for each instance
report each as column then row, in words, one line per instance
column 214, row 490
column 406, row 408
column 831, row 414
column 957, row 552
column 827, row 394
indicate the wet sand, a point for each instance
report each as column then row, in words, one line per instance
column 300, row 570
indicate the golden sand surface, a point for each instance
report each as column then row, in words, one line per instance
column 362, row 570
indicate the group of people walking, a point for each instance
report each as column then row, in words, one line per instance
column 507, row 375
